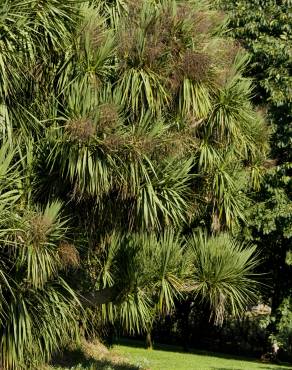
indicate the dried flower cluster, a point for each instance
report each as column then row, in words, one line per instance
column 108, row 117
column 154, row 50
column 39, row 227
column 69, row 255
column 134, row 7
column 192, row 65
column 195, row 66
column 81, row 130
column 114, row 142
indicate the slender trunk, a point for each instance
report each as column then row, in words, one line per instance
column 149, row 344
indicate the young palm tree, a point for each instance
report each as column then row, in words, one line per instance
column 141, row 276
column 138, row 275
column 224, row 275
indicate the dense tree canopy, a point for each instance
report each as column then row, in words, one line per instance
column 129, row 149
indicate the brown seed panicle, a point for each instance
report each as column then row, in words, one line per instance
column 68, row 255
column 39, row 226
column 81, row 129
column 108, row 117
column 195, row 66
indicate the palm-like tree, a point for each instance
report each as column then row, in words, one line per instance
column 224, row 275
column 38, row 309
column 152, row 99
column 136, row 116
column 138, row 276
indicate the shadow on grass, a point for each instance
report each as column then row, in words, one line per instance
column 76, row 359
column 172, row 348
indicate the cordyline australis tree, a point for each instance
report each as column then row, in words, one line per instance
column 124, row 125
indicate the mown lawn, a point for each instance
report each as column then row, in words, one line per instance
column 131, row 357
column 167, row 360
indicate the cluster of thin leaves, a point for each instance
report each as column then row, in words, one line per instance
column 147, row 274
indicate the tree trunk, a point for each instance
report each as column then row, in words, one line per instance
column 149, row 344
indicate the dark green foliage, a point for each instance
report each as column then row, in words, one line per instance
column 284, row 325
column 265, row 29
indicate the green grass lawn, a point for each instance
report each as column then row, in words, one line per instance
column 132, row 357
column 167, row 360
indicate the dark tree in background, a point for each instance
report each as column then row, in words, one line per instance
column 264, row 28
